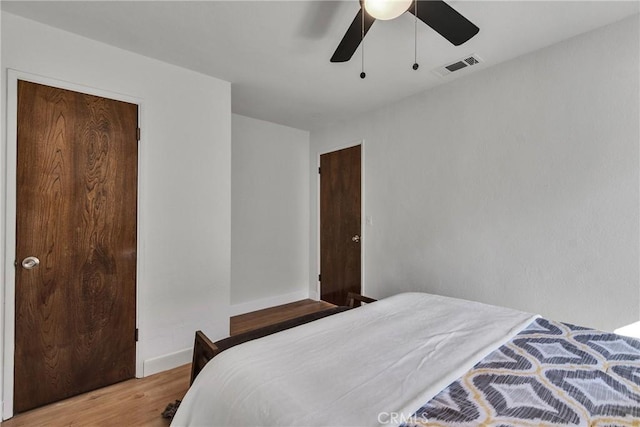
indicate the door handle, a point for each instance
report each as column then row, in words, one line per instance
column 30, row 262
column 355, row 238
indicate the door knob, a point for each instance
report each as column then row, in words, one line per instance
column 355, row 238
column 30, row 262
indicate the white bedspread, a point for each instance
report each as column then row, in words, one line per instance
column 369, row 366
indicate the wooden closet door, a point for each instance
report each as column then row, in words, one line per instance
column 340, row 224
column 76, row 214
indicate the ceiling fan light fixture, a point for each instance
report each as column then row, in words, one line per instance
column 386, row 9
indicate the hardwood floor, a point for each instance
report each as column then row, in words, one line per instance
column 136, row 402
column 269, row 316
column 140, row 402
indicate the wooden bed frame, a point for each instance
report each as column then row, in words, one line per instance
column 204, row 349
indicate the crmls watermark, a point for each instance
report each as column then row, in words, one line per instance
column 395, row 418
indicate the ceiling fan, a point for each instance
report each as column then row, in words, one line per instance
column 437, row 14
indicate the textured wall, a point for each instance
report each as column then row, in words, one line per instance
column 269, row 213
column 517, row 185
column 184, row 180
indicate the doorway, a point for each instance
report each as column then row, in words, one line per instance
column 340, row 224
column 75, row 243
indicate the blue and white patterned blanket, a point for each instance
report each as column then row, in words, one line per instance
column 549, row 374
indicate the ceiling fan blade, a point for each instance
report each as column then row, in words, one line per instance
column 445, row 20
column 352, row 37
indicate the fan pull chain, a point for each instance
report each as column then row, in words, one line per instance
column 362, row 74
column 415, row 35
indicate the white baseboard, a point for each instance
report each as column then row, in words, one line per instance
column 166, row 362
column 7, row 409
column 247, row 307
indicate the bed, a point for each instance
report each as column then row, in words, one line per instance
column 421, row 359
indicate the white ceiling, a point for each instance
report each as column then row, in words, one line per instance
column 276, row 53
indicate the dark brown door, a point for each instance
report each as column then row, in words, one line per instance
column 340, row 212
column 76, row 215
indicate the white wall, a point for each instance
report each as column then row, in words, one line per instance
column 517, row 185
column 185, row 180
column 270, row 214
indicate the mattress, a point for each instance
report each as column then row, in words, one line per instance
column 354, row 368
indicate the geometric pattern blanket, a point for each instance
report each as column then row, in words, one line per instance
column 550, row 374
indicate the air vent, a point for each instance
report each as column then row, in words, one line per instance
column 461, row 64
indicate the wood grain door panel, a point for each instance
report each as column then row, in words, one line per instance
column 340, row 222
column 76, row 212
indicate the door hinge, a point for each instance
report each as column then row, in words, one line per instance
column 137, row 334
column 319, row 278
column 318, row 170
column 138, row 134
